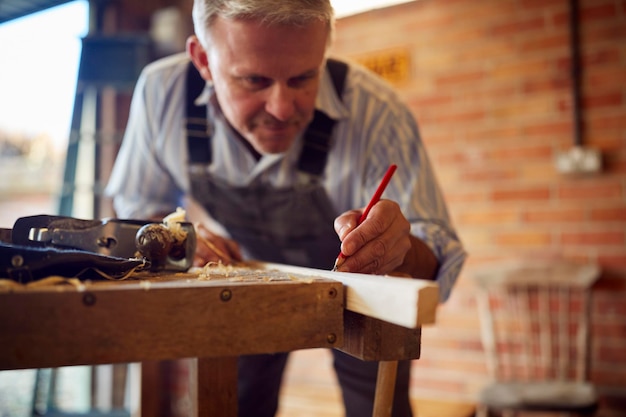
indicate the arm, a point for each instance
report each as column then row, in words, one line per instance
column 409, row 233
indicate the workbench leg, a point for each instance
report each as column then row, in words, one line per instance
column 155, row 394
column 385, row 388
column 215, row 389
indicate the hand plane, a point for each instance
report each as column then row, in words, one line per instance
column 165, row 248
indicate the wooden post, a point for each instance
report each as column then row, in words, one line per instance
column 215, row 387
column 385, row 388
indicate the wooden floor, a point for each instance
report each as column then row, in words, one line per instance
column 310, row 390
column 307, row 401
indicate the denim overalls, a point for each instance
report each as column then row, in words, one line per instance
column 286, row 225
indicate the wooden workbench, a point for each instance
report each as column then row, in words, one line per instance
column 166, row 317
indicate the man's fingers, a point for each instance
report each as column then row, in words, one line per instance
column 214, row 248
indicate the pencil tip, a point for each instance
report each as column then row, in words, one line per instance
column 338, row 262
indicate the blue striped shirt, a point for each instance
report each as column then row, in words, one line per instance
column 374, row 129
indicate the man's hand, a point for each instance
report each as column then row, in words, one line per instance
column 382, row 244
column 214, row 248
column 379, row 244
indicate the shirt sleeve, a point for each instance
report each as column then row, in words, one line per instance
column 140, row 183
column 416, row 189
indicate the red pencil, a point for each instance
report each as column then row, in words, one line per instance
column 374, row 200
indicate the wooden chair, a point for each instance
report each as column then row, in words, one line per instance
column 535, row 332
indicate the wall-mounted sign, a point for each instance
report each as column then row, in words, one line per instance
column 394, row 65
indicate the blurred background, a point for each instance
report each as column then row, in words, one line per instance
column 521, row 104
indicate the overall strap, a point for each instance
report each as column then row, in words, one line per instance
column 316, row 137
column 196, row 123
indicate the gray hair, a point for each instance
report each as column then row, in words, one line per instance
column 270, row 12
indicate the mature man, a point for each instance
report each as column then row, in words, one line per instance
column 282, row 148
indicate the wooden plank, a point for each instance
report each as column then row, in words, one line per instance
column 371, row 339
column 134, row 322
column 407, row 302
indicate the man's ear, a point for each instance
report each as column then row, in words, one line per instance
column 199, row 57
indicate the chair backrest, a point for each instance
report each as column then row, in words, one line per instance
column 535, row 320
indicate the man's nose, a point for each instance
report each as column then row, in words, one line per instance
column 281, row 102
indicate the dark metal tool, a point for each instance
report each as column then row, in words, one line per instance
column 162, row 247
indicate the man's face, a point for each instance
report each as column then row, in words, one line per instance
column 266, row 78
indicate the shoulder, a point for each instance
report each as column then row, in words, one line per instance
column 366, row 92
column 363, row 82
column 368, row 98
column 165, row 72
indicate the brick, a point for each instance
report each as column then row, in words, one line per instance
column 556, row 43
column 603, row 100
column 500, row 133
column 455, row 197
column 489, row 217
column 522, row 194
column 612, row 214
column 609, row 304
column 614, row 376
column 588, row 13
column 593, row 238
column 459, row 78
column 517, row 27
column 539, row 172
column 517, row 70
column 530, row 107
column 444, row 361
column 471, row 116
column 610, row 30
column 523, row 152
column 556, row 84
column 453, row 344
column 590, row 190
column 613, row 354
column 549, row 128
column 445, row 386
column 541, row 4
column 431, row 100
column 489, row 174
column 597, row 12
column 605, row 78
column 527, row 239
column 617, row 260
column 552, row 216
column 603, row 121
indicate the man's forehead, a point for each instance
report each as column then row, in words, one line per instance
column 254, row 47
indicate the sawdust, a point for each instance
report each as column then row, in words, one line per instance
column 244, row 273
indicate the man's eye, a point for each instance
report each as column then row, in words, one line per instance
column 300, row 81
column 256, row 82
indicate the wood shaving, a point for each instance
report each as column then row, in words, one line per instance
column 173, row 220
column 45, row 282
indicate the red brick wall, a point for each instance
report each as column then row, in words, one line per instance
column 490, row 85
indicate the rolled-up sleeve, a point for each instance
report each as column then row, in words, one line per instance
column 142, row 184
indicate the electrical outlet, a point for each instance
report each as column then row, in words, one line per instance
column 579, row 160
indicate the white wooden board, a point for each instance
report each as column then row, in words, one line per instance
column 407, row 302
